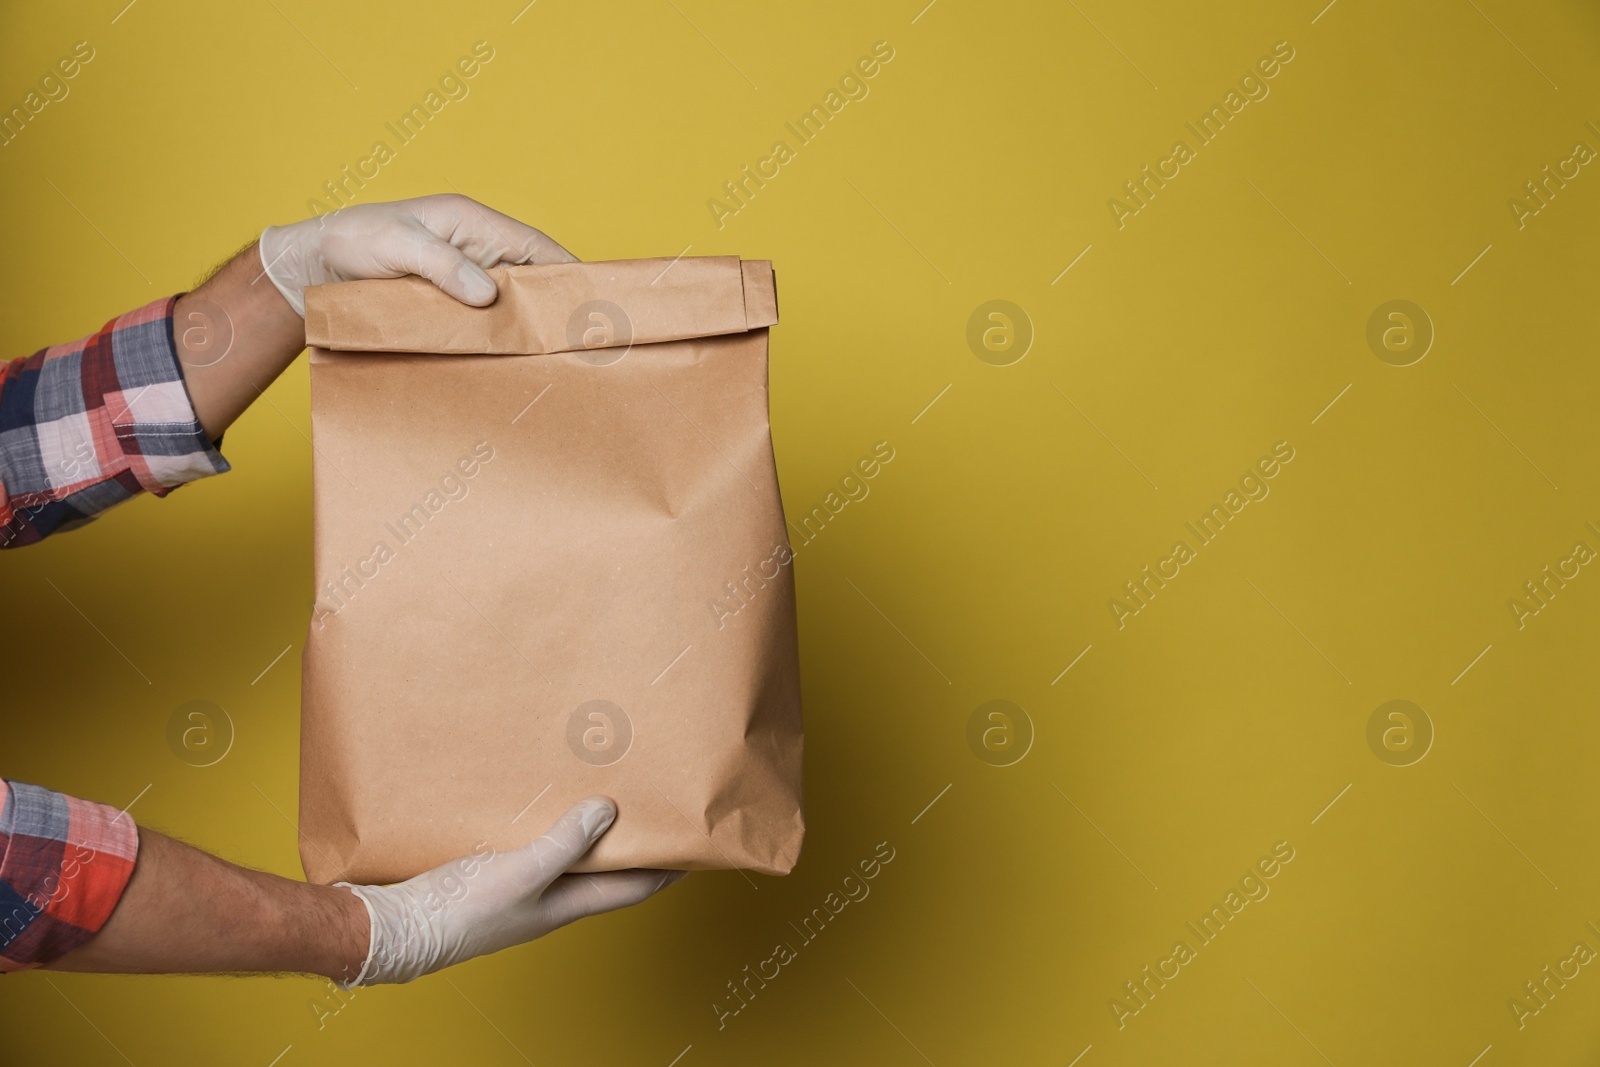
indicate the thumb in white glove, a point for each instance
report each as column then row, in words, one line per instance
column 486, row 902
column 447, row 238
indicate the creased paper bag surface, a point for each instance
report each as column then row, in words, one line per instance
column 550, row 562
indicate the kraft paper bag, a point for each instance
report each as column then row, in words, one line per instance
column 550, row 562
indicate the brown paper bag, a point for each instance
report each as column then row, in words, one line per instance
column 550, row 562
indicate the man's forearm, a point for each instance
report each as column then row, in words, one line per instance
column 186, row 911
column 234, row 335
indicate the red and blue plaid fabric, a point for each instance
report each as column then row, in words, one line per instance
column 83, row 426
column 91, row 423
column 63, row 865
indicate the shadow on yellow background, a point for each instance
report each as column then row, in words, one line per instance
column 1344, row 277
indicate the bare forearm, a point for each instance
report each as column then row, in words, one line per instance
column 185, row 911
column 234, row 335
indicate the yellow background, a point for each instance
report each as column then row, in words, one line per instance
column 1222, row 319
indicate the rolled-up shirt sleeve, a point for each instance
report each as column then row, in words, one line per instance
column 91, row 423
column 64, row 863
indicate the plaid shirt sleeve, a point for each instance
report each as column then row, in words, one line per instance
column 88, row 424
column 64, row 863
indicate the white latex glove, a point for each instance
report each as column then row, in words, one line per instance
column 485, row 902
column 446, row 238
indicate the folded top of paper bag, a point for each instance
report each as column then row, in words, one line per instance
column 558, row 307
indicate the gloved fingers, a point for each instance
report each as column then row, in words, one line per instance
column 450, row 269
column 509, row 240
column 540, row 862
column 487, row 236
column 577, row 896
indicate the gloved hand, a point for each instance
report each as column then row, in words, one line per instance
column 488, row 901
column 446, row 238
